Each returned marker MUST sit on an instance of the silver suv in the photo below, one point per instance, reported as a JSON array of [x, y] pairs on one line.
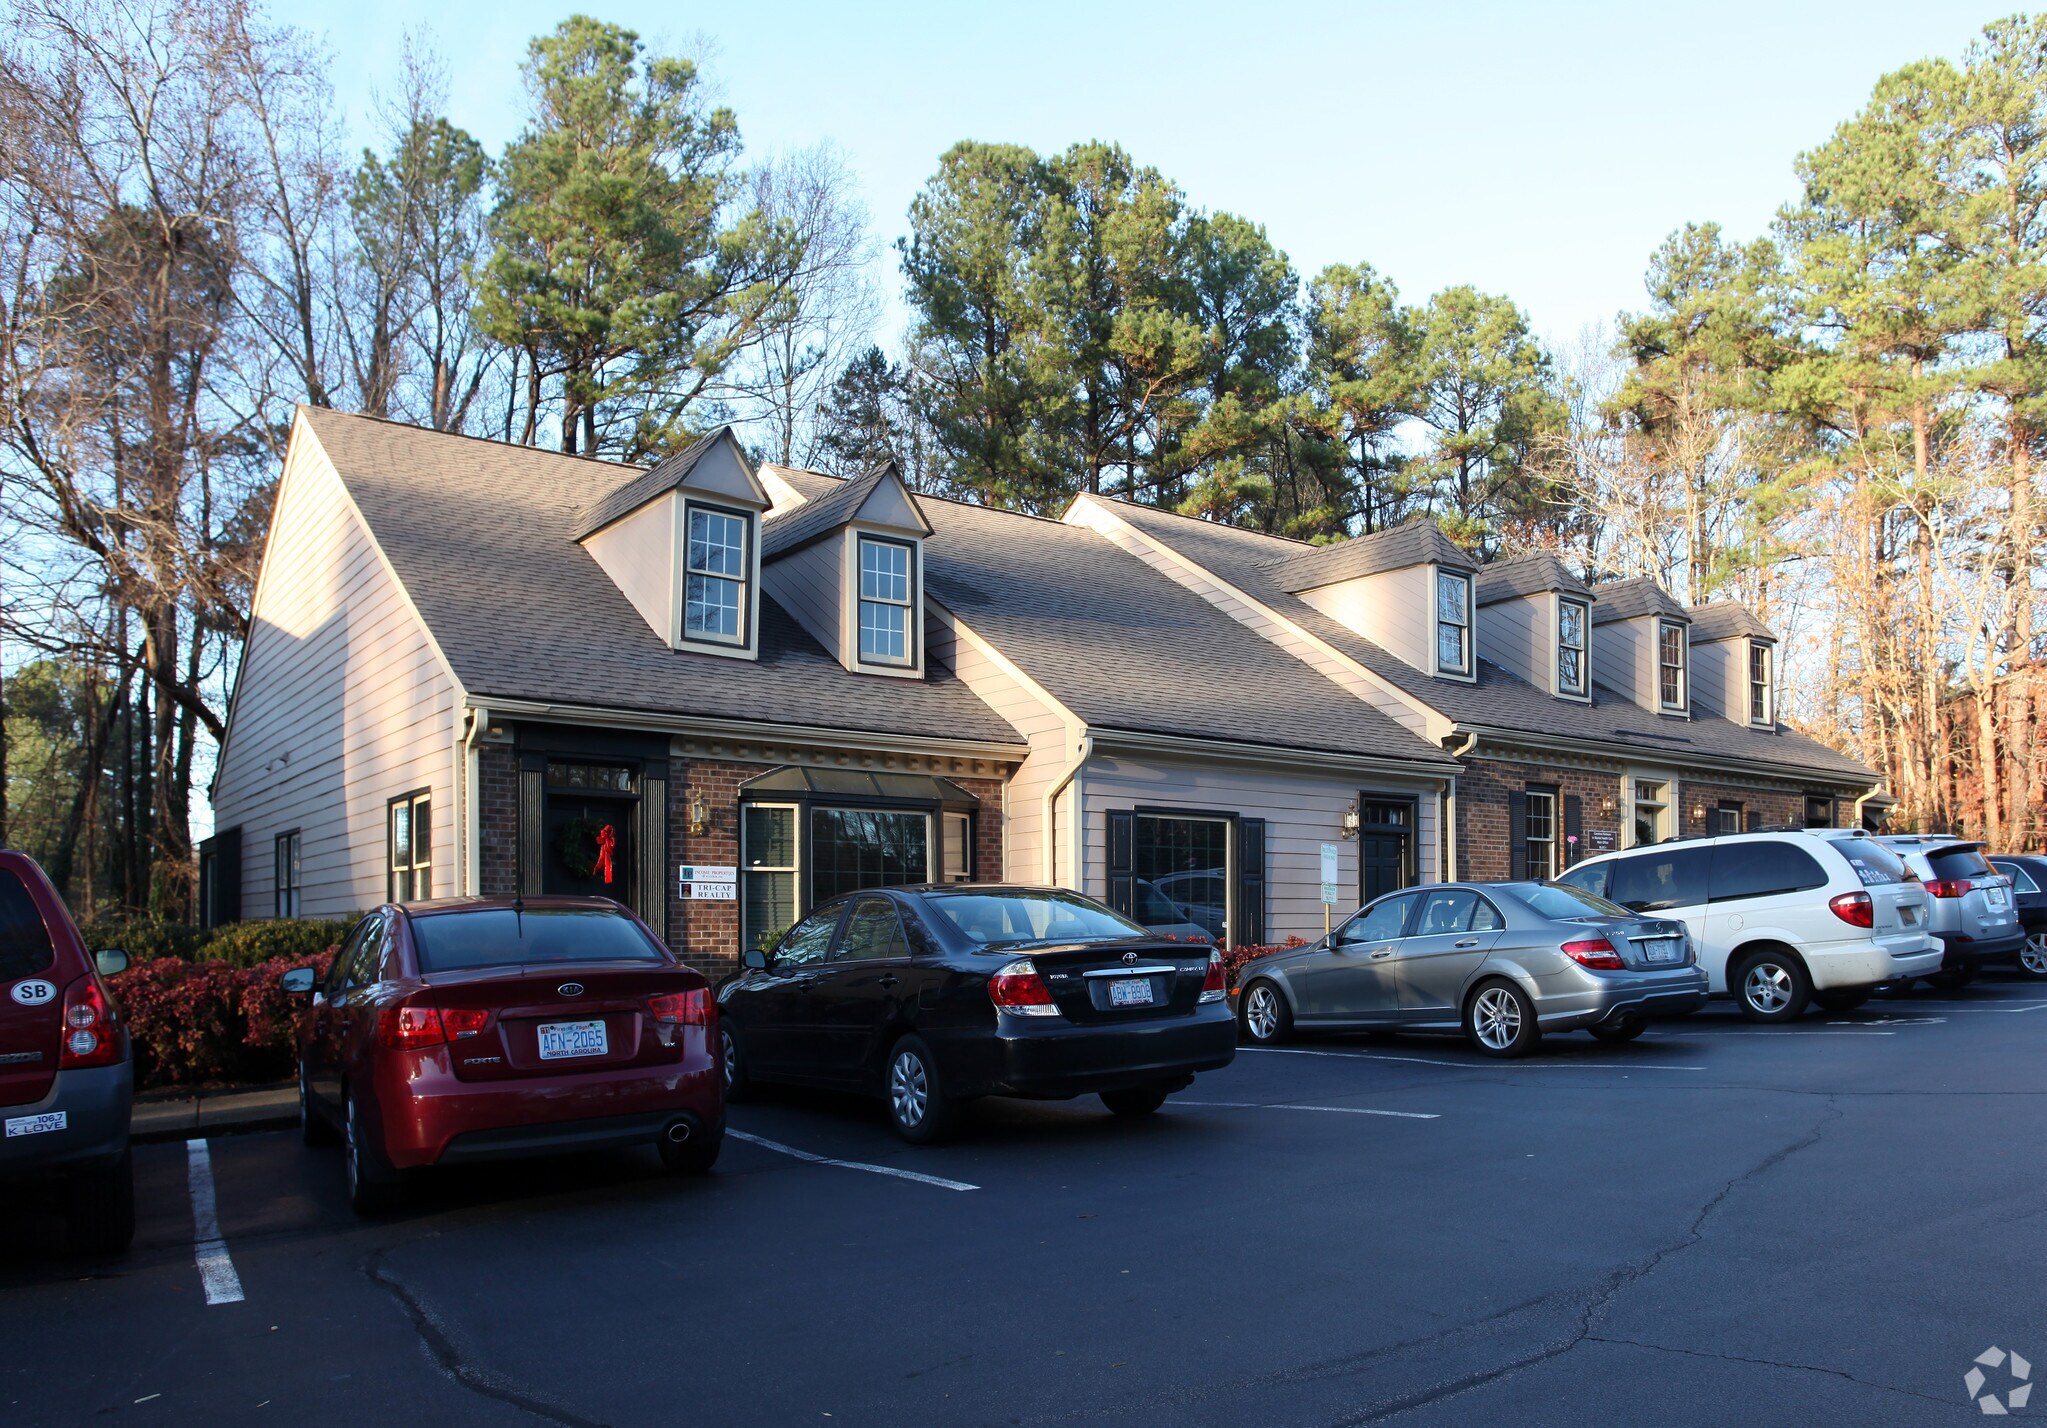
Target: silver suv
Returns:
[[1969, 903]]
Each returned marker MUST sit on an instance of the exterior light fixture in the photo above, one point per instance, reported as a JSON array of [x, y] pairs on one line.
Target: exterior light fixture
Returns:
[[699, 815], [1698, 813], [1606, 805], [1348, 825]]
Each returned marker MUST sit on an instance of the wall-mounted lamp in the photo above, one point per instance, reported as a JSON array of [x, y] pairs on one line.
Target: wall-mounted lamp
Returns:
[[1698, 813], [1606, 805], [1348, 824], [699, 815]]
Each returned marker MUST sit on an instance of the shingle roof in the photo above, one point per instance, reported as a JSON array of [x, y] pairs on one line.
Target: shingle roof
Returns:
[[636, 490], [817, 516], [1628, 599], [1532, 574], [1416, 542], [482, 535], [1497, 699], [1724, 620], [1126, 648]]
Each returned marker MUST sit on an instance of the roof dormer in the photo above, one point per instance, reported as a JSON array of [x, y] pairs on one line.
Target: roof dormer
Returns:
[[1641, 641], [849, 566], [682, 542], [1407, 590], [1734, 664], [1535, 619]]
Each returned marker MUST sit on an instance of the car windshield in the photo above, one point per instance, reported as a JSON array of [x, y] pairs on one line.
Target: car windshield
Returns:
[[504, 937], [1561, 901], [998, 917], [1875, 864]]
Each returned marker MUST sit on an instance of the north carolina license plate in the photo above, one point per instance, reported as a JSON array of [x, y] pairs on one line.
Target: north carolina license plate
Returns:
[[562, 1039], [36, 1125], [1130, 992], [1666, 950], [1996, 895]]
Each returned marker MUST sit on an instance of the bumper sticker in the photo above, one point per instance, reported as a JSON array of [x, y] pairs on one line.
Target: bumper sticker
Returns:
[[36, 1125]]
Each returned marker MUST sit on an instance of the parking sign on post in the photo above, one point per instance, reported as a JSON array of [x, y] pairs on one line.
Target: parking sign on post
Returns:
[[1331, 852]]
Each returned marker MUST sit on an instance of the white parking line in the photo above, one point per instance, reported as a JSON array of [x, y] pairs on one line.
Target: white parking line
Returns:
[[1476, 1065], [777, 1146], [1281, 1106], [1742, 1031], [209, 1250]]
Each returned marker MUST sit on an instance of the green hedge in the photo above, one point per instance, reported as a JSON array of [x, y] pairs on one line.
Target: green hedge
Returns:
[[239, 944]]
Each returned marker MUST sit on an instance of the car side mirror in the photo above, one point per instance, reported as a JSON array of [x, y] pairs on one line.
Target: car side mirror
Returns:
[[111, 961], [299, 981], [754, 960]]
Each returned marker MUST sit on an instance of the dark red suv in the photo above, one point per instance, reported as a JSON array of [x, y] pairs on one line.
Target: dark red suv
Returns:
[[474, 1029], [66, 1079]]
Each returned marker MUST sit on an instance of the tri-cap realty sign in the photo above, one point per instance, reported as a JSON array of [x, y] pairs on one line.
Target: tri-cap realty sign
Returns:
[[704, 882]]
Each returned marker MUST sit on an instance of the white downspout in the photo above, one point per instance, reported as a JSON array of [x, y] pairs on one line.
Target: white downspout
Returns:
[[1450, 870], [469, 876], [1049, 832], [1873, 792]]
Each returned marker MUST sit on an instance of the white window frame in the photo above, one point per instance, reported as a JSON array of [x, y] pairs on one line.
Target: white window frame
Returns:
[[417, 872], [286, 871], [1583, 689], [1682, 704], [748, 542], [1661, 808], [1551, 864], [794, 868], [964, 822], [1437, 624], [1766, 686], [908, 605]]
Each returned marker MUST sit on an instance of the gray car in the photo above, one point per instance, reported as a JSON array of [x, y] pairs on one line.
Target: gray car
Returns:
[[1505, 962], [1969, 904]]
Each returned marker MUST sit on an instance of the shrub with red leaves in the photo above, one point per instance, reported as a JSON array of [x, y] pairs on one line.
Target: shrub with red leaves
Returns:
[[200, 1022], [1235, 959]]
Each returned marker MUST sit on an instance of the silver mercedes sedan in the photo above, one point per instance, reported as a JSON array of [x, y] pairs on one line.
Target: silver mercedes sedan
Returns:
[[1505, 962]]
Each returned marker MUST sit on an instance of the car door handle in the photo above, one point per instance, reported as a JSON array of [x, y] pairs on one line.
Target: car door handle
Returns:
[[889, 981], [1468, 942], [1380, 954]]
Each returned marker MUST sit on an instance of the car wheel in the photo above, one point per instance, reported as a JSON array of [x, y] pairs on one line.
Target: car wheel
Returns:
[[1771, 987], [738, 1085], [372, 1184], [1626, 1029], [1265, 1017], [917, 1104], [694, 1156], [1135, 1100], [1952, 981], [1842, 1001], [99, 1214], [313, 1127], [2033, 956], [1500, 1020]]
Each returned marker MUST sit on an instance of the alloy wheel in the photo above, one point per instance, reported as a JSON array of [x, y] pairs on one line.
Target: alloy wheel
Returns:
[[1497, 1018], [2033, 957], [909, 1088], [728, 1058], [1261, 1013], [1767, 987], [351, 1150]]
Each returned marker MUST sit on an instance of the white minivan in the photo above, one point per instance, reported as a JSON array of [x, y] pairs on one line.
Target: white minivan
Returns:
[[1780, 919]]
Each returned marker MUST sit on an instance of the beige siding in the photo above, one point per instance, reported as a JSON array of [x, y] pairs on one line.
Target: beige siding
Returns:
[[806, 584], [1624, 659], [1720, 679], [1394, 609], [1302, 809], [638, 553], [1520, 635], [342, 704]]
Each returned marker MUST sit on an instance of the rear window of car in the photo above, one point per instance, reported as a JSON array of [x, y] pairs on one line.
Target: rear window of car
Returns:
[[1960, 863], [1873, 863], [1561, 901], [507, 937], [24, 941], [990, 918]]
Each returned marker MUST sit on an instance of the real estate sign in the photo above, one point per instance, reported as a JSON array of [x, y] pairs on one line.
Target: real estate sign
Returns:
[[708, 882]]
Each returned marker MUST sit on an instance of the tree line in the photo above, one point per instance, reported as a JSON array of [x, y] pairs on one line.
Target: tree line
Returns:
[[1836, 421]]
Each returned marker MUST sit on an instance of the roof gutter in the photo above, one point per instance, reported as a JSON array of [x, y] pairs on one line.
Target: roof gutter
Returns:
[[1178, 746], [1050, 837], [754, 731], [1638, 753]]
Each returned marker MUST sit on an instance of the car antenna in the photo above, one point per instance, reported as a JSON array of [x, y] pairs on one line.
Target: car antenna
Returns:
[[519, 918]]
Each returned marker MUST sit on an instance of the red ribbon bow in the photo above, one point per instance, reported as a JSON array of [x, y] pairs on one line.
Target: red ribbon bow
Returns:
[[607, 839]]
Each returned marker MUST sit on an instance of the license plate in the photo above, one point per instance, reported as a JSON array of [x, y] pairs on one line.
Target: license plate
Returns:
[[1130, 992], [1667, 950], [560, 1040], [1996, 895], [1908, 915], [36, 1125]]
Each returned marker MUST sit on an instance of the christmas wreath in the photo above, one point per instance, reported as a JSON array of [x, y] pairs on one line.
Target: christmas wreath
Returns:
[[587, 847]]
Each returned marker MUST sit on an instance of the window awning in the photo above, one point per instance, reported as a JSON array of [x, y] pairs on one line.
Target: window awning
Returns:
[[857, 786]]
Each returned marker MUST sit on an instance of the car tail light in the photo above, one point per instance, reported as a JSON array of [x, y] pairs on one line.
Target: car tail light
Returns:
[[1019, 990], [461, 1022], [92, 1031], [682, 1008], [410, 1028], [1947, 887], [1856, 909], [1596, 953], [1214, 987]]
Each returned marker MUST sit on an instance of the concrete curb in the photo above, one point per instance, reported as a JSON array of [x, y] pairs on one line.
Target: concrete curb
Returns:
[[209, 1113]]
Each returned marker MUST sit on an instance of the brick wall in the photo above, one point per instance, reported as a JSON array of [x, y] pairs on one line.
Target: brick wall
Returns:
[[497, 807], [703, 932], [1773, 808], [1483, 834]]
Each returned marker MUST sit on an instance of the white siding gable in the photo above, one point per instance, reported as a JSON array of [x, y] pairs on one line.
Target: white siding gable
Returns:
[[638, 553], [1394, 609]]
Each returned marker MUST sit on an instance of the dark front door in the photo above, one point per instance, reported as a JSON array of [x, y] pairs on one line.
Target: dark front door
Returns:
[[590, 846], [1385, 847]]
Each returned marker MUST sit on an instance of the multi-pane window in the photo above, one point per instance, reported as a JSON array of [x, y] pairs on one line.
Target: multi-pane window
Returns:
[[714, 596], [1670, 664], [1759, 711], [1571, 646], [287, 898], [855, 848], [958, 848], [1728, 817], [409, 838], [1542, 835], [1453, 623], [767, 855], [885, 584]]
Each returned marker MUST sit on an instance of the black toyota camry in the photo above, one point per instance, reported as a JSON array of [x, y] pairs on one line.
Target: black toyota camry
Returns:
[[933, 995]]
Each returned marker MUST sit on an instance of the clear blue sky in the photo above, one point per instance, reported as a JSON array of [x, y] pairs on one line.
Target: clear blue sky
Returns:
[[1535, 150]]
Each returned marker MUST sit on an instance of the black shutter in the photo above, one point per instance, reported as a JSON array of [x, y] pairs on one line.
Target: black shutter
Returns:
[[653, 871], [1123, 863], [1517, 835], [220, 883], [1755, 820], [1574, 828], [532, 788], [1250, 928]]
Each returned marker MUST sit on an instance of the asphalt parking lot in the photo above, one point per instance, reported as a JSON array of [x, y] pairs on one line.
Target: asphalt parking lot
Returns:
[[1715, 1223]]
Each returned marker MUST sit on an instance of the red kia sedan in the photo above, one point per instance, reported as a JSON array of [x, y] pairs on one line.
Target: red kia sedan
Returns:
[[472, 1029]]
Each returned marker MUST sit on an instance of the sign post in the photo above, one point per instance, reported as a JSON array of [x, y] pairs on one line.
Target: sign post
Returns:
[[1331, 854]]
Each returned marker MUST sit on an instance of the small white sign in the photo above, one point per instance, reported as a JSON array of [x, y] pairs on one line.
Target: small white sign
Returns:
[[34, 992], [1331, 853], [700, 882]]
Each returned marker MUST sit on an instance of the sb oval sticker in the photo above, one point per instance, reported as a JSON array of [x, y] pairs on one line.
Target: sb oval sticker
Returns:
[[34, 993]]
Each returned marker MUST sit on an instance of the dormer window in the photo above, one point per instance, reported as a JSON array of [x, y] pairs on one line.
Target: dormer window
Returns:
[[1670, 666], [1573, 619], [1453, 623], [1761, 694], [887, 582], [715, 604]]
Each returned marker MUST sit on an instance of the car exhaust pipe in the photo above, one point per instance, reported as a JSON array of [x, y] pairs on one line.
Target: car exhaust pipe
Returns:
[[677, 1132]]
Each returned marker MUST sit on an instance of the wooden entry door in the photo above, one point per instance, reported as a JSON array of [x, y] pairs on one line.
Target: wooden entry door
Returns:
[[1385, 847]]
